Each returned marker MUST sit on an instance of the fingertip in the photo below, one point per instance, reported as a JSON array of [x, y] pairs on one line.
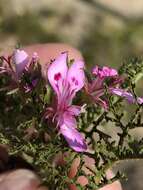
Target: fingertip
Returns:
[[51, 51]]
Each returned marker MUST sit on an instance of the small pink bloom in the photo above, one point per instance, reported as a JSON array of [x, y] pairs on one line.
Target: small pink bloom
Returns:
[[96, 90], [66, 82], [104, 72]]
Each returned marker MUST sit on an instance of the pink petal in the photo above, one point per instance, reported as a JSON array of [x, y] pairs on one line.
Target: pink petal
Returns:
[[76, 76], [57, 72], [127, 95], [124, 94], [20, 58], [95, 70], [104, 72], [74, 138], [117, 91], [140, 100], [74, 110], [107, 71], [67, 119]]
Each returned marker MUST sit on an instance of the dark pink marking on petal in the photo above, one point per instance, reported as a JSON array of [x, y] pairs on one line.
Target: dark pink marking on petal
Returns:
[[57, 76], [74, 81]]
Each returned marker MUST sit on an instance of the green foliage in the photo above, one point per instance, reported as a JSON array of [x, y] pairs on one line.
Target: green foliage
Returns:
[[27, 134]]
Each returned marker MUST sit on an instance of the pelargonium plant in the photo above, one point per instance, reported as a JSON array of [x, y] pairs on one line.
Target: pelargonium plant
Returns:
[[66, 113]]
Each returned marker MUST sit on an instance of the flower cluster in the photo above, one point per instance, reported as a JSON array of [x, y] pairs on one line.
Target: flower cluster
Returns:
[[107, 76], [66, 81]]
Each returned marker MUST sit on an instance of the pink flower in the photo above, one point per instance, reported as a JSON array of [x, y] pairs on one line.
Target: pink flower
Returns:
[[19, 66], [103, 72], [96, 89], [66, 82], [127, 95]]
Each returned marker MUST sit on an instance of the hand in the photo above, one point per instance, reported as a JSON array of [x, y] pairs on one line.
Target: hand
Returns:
[[23, 179]]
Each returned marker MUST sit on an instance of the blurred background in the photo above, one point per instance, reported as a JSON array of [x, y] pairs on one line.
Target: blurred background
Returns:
[[105, 31]]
